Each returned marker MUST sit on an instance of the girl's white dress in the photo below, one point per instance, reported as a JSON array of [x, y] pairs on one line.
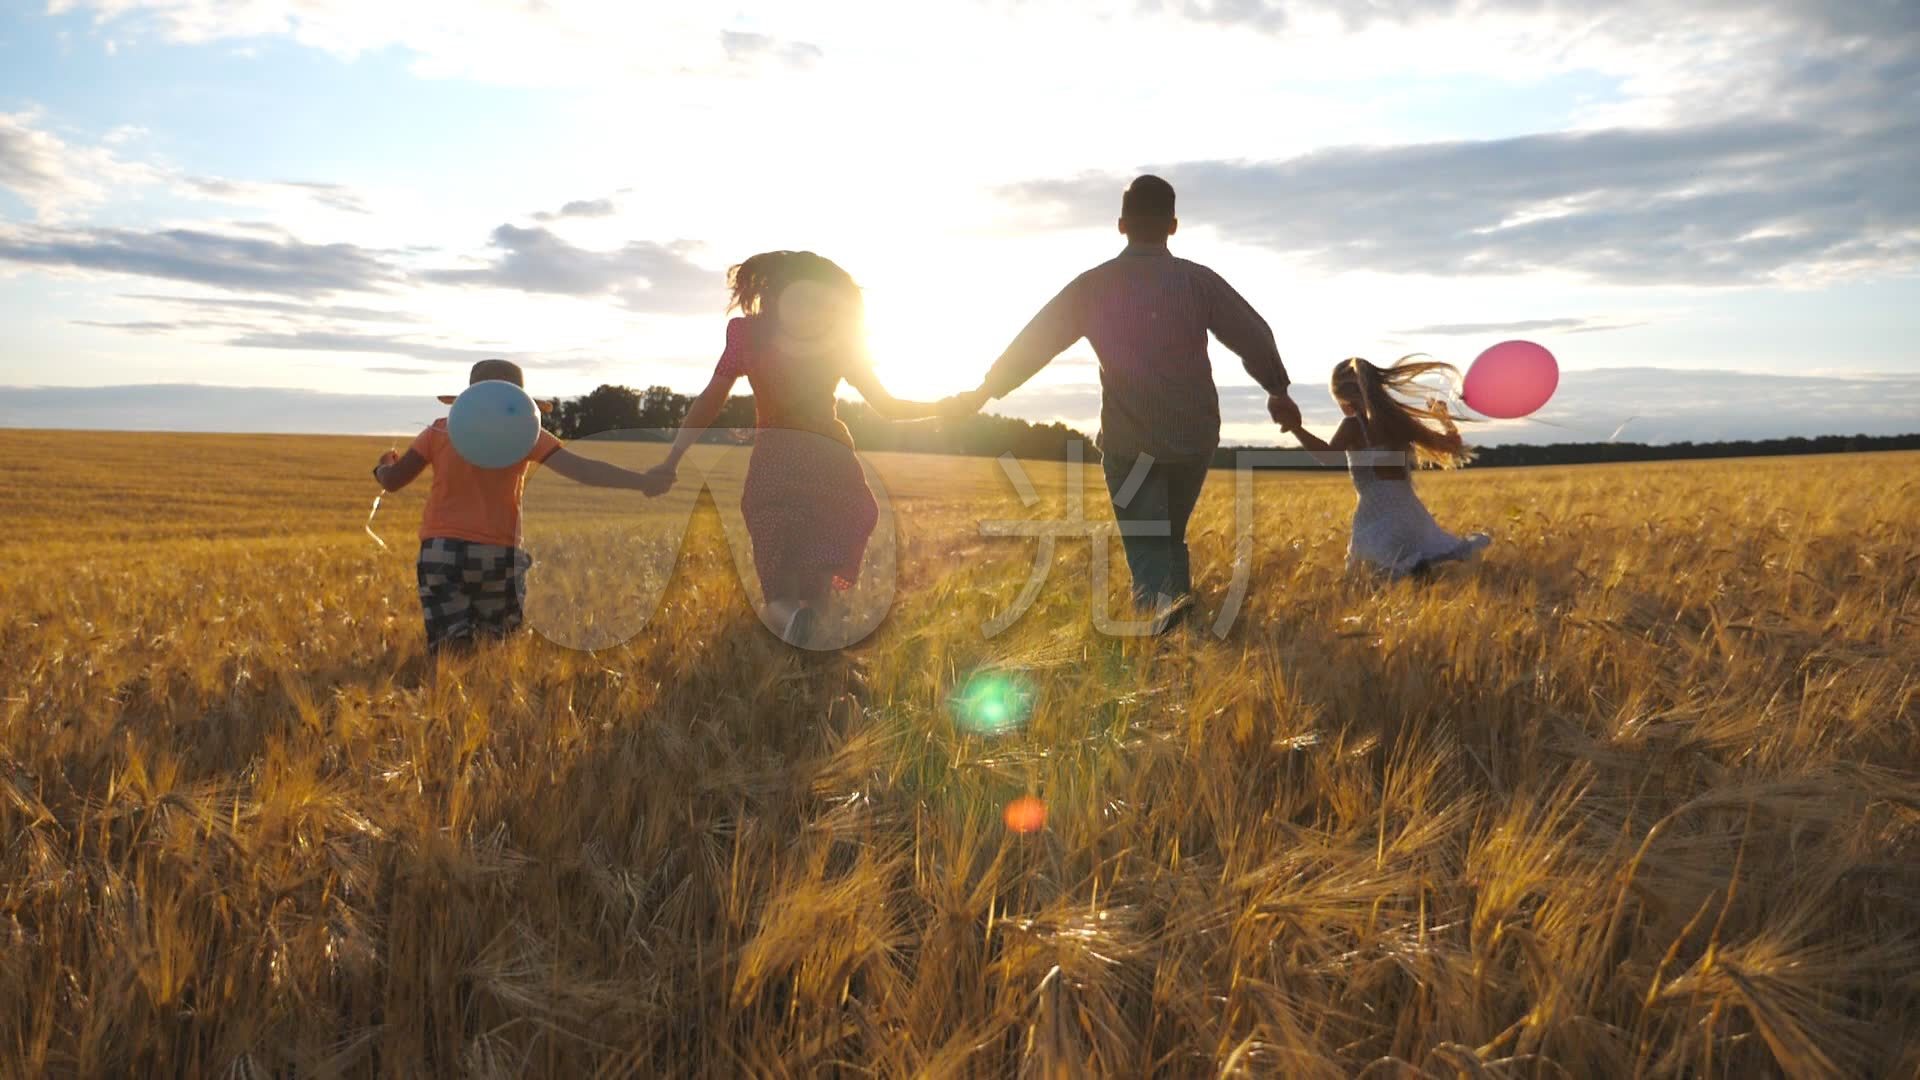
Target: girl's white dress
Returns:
[[1392, 531]]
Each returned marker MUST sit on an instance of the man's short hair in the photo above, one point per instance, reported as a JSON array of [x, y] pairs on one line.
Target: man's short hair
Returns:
[[1147, 197]]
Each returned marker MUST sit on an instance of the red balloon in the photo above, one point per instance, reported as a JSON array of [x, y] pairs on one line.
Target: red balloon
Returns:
[[1511, 380]]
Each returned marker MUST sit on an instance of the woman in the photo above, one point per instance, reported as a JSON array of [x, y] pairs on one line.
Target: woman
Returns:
[[806, 502]]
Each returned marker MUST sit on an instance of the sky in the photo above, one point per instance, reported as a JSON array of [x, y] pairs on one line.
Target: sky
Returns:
[[322, 211]]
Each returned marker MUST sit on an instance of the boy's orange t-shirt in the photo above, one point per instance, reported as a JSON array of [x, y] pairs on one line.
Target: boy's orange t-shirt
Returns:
[[471, 503]]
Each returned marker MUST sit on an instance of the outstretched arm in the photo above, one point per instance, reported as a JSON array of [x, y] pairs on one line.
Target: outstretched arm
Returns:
[[1349, 435], [893, 408], [396, 471], [1242, 330], [1048, 335], [700, 416], [585, 470]]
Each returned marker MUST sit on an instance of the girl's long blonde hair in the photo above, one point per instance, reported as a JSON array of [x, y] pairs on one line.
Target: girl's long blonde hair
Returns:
[[1392, 418]]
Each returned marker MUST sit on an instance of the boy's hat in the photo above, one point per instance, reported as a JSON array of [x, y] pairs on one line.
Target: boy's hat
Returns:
[[501, 370]]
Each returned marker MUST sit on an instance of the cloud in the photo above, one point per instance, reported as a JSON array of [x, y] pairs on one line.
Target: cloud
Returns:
[[1846, 18], [1670, 405], [292, 308], [1523, 326], [138, 327], [332, 196], [348, 341], [1732, 203], [54, 176], [247, 264], [32, 163], [744, 48], [580, 208], [644, 276], [1762, 143], [187, 407], [537, 42], [51, 175], [351, 342]]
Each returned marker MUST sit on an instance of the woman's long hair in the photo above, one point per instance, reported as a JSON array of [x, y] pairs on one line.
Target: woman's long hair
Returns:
[[756, 283], [1427, 430]]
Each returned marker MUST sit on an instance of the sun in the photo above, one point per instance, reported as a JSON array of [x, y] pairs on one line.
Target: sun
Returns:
[[910, 361], [929, 341]]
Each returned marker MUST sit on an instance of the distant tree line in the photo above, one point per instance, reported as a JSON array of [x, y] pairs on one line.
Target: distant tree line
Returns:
[[1522, 454], [1583, 453], [655, 412]]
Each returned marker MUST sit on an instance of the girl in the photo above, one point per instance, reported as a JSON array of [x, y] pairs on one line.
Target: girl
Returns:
[[808, 509], [471, 566], [1392, 531]]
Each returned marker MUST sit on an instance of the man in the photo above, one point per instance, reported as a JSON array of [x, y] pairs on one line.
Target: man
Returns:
[[1147, 315]]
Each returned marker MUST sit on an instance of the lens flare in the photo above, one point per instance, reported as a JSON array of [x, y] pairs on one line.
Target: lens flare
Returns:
[[1026, 814], [810, 318], [991, 703]]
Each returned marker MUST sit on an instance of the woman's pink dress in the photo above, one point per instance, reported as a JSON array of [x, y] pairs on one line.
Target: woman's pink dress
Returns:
[[807, 504]]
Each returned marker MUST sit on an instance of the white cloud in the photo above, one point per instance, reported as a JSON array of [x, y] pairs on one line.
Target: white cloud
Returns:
[[566, 42], [580, 208], [747, 48], [186, 407], [644, 276], [1564, 325], [253, 307], [1776, 147], [1763, 144], [334, 341], [54, 176], [61, 179], [268, 194], [245, 263]]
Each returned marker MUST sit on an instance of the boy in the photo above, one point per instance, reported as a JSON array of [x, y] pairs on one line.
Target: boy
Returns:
[[470, 563]]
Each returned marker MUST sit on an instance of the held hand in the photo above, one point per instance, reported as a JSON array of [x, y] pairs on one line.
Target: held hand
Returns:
[[1283, 411], [658, 480], [961, 404], [387, 458]]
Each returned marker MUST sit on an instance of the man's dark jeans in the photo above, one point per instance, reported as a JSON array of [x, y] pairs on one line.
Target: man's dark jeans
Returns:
[[1166, 498]]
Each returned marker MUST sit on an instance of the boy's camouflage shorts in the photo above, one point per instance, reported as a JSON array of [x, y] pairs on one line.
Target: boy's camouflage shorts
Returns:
[[469, 589]]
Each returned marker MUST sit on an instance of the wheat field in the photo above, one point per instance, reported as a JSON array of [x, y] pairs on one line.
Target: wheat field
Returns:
[[1636, 795]]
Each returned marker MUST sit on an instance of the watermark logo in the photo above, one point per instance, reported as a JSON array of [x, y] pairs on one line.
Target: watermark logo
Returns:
[[1074, 523], [807, 522], [810, 529]]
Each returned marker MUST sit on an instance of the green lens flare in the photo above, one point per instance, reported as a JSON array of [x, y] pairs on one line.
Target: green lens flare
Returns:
[[991, 703]]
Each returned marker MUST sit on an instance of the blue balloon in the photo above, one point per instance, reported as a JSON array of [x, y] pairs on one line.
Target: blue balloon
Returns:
[[494, 424]]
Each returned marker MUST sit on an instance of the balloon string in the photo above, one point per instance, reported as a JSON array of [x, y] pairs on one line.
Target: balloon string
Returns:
[[1583, 429], [1622, 426], [1457, 399], [376, 508], [370, 532]]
